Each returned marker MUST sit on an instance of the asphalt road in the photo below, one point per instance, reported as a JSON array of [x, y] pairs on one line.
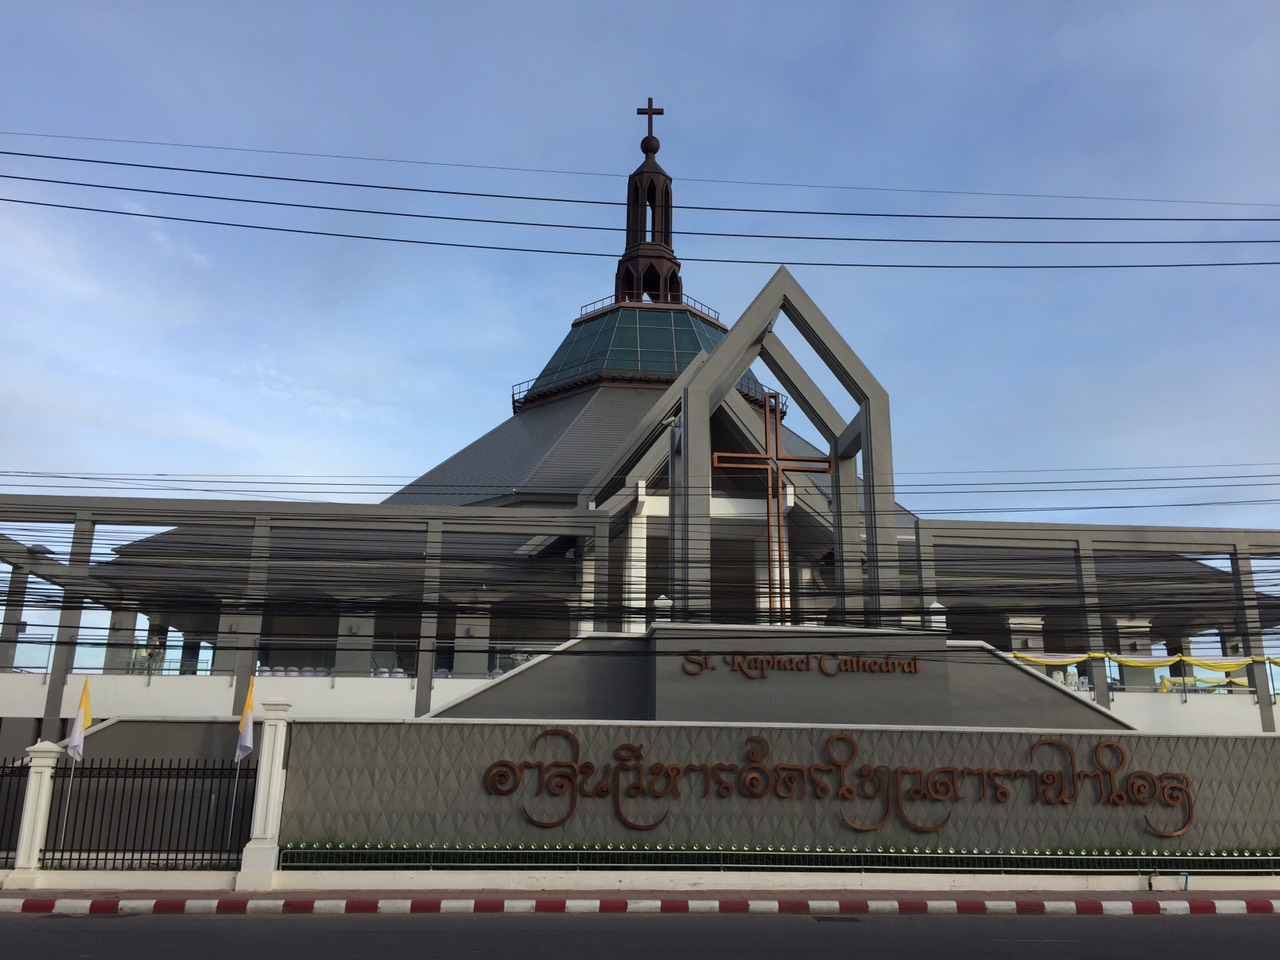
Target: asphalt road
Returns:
[[615, 937]]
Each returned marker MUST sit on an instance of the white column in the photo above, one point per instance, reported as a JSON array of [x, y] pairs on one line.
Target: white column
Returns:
[[35, 816], [261, 853], [783, 609], [1026, 635], [585, 558], [636, 571], [936, 618]]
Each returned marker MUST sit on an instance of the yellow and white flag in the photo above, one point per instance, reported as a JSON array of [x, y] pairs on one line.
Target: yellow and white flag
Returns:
[[84, 717], [244, 744]]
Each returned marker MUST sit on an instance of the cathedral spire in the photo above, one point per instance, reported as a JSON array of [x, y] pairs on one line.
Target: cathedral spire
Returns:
[[648, 268]]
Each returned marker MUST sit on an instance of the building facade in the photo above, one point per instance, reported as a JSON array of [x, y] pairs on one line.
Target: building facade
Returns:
[[646, 476]]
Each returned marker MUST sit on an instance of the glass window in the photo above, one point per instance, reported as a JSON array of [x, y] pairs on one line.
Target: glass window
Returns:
[[655, 318], [557, 358], [625, 338], [579, 349], [710, 337], [687, 340], [603, 330], [658, 361], [654, 338]]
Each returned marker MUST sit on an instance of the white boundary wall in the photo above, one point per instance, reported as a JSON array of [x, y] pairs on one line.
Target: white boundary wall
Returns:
[[1196, 713]]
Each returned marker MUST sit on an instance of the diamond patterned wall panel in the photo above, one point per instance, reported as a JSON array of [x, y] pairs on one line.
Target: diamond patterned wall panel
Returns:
[[440, 782]]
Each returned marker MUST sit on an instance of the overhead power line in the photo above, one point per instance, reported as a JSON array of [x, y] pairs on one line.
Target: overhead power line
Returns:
[[1205, 490], [617, 203], [364, 211], [617, 176], [587, 253], [1151, 481]]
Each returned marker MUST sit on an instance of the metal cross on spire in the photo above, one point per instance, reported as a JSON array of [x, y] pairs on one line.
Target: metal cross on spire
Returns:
[[650, 111]]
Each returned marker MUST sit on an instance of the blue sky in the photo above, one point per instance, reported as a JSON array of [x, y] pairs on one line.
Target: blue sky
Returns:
[[148, 347]]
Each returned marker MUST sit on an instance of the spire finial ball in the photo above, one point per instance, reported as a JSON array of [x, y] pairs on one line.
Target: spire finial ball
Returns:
[[649, 145]]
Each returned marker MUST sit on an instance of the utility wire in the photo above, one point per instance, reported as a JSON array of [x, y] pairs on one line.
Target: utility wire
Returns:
[[617, 203], [619, 176], [741, 261], [338, 481], [902, 473], [187, 195]]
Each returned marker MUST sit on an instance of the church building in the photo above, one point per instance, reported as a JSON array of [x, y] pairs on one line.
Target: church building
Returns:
[[653, 512]]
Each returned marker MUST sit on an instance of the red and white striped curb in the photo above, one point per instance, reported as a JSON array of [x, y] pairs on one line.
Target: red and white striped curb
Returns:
[[295, 905]]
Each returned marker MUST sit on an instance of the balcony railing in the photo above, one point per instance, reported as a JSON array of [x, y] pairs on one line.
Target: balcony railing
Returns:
[[683, 300], [288, 658]]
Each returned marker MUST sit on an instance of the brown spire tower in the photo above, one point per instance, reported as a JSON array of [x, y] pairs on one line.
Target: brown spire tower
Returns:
[[648, 269]]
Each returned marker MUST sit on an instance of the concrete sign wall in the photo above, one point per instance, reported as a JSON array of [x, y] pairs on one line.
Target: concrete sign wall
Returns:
[[811, 675], [439, 782]]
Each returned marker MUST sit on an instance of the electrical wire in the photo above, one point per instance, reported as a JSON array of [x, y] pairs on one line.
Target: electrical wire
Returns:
[[605, 229], [740, 261], [618, 176], [618, 203]]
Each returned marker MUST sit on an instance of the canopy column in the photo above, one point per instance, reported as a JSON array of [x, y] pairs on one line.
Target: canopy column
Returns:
[[121, 641], [11, 624], [1249, 629], [1091, 615], [68, 633]]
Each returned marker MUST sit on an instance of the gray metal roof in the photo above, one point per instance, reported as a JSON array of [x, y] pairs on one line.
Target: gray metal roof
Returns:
[[548, 451]]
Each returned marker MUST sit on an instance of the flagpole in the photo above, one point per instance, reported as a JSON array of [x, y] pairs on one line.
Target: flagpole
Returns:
[[75, 749], [231, 821], [66, 807], [244, 747]]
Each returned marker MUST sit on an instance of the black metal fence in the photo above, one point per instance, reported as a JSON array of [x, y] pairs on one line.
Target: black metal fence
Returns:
[[376, 856], [149, 815], [13, 787]]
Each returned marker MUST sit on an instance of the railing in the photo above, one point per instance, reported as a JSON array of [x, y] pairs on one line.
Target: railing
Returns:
[[140, 659], [1187, 684], [310, 657], [13, 787], [34, 661], [754, 390], [683, 300], [333, 673], [149, 815], [603, 856]]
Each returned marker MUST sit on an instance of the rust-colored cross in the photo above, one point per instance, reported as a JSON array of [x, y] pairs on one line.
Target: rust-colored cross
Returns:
[[650, 111], [777, 465]]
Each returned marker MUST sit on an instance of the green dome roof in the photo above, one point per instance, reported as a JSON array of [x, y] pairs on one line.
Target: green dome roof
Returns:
[[627, 342], [631, 339]]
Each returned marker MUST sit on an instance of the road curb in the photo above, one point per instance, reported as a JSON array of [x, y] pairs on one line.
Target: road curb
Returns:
[[66, 906]]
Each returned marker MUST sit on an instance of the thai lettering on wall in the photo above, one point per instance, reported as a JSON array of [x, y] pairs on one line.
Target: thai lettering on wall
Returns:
[[865, 795]]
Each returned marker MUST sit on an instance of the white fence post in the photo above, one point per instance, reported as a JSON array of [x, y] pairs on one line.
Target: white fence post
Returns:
[[35, 816], [262, 852]]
